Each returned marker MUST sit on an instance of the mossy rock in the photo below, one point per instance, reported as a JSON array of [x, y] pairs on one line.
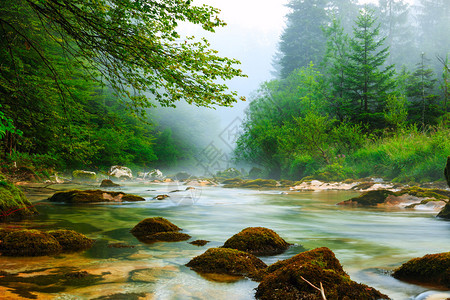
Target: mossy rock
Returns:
[[287, 279], [257, 241], [81, 175], [108, 183], [29, 243], [431, 269], [170, 236], [199, 243], [13, 203], [445, 212], [254, 184], [71, 240], [91, 196], [370, 198], [227, 261], [154, 225], [425, 193], [232, 181]]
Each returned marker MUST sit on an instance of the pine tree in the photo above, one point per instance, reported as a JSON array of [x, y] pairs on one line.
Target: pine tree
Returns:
[[366, 81]]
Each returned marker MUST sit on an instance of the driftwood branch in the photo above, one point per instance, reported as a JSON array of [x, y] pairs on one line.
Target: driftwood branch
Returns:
[[321, 290]]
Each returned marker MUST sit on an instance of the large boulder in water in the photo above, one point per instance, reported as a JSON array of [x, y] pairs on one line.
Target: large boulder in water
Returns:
[[71, 240], [292, 279], [13, 203], [257, 241], [227, 261], [445, 212], [431, 269], [91, 196], [108, 183], [29, 243], [120, 172], [147, 228]]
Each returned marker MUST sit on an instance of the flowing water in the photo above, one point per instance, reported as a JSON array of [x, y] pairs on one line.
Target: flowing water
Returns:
[[368, 242]]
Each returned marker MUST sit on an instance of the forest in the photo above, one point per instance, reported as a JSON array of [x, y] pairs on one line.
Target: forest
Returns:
[[359, 90]]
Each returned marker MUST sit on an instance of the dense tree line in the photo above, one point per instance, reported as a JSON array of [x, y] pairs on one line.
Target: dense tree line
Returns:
[[341, 92], [74, 75]]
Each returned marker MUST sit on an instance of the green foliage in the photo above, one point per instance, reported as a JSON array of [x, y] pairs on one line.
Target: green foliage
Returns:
[[395, 112]]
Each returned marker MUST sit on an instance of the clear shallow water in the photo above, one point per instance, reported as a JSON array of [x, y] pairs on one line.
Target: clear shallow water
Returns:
[[368, 242]]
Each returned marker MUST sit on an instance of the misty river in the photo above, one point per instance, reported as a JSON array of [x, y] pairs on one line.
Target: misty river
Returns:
[[368, 242]]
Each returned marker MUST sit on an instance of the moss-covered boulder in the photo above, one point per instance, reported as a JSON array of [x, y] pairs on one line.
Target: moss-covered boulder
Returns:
[[288, 279], [370, 198], [81, 175], [169, 236], [29, 243], [227, 261], [431, 269], [199, 243], [90, 196], [445, 212], [257, 241], [71, 240], [13, 203], [229, 173], [108, 183], [150, 226], [232, 181]]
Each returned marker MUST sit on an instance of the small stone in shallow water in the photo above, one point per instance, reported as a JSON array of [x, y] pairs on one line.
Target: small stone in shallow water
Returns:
[[199, 242]]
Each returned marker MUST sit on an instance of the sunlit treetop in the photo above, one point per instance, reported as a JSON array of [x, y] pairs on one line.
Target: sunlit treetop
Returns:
[[133, 46]]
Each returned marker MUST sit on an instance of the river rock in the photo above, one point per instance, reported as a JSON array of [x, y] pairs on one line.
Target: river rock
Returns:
[[91, 196], [227, 261], [71, 240], [108, 183], [82, 175], [253, 184], [431, 269], [288, 279], [13, 203], [229, 173], [170, 236], [120, 172], [257, 241], [29, 243], [152, 175], [162, 197], [150, 226], [445, 212]]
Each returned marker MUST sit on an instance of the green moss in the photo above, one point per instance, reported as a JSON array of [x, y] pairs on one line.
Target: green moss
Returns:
[[29, 243], [425, 193], [253, 184], [286, 279], [154, 225], [227, 261], [84, 175], [430, 269], [370, 198], [13, 203], [257, 241], [445, 212], [71, 240], [90, 196], [170, 236], [232, 181]]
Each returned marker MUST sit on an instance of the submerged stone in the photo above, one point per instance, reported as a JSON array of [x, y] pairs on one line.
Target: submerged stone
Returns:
[[154, 225], [13, 203], [227, 261], [29, 243], [289, 279], [71, 240], [91, 196], [431, 269], [199, 243], [257, 241]]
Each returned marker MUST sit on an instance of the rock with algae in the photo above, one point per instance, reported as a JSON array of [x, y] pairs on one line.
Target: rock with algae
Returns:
[[430, 269], [71, 240], [257, 241], [292, 279], [29, 243], [91, 196], [227, 261], [13, 203]]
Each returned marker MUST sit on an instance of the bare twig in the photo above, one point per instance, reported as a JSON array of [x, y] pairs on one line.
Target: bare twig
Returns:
[[321, 290]]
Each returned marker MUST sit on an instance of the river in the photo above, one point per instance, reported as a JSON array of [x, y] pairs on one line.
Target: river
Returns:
[[368, 242]]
